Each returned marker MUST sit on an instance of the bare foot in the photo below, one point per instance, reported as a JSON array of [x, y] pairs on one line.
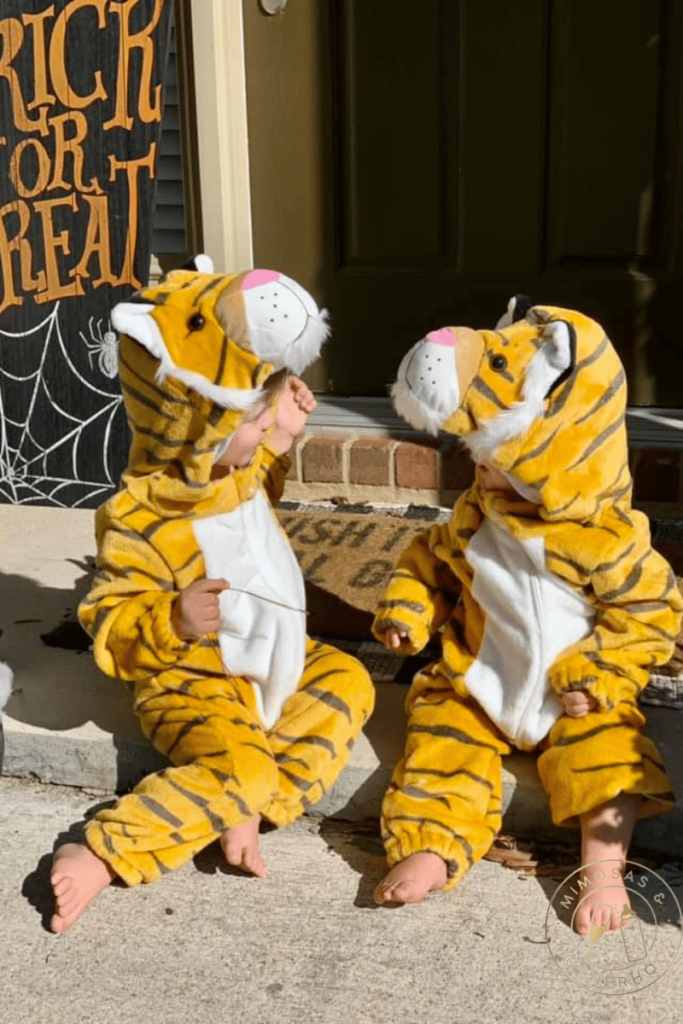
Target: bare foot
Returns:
[[411, 879], [605, 836], [240, 845], [602, 906], [78, 875]]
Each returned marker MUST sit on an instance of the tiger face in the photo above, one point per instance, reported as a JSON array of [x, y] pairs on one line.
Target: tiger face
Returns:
[[542, 399], [223, 334]]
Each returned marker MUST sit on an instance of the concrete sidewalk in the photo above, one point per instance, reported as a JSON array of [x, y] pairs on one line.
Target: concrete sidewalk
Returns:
[[66, 723], [305, 944]]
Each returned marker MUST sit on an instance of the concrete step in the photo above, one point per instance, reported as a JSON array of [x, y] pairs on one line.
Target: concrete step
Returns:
[[68, 724]]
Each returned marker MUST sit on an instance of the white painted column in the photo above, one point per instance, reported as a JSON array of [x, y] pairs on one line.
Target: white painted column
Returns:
[[221, 98]]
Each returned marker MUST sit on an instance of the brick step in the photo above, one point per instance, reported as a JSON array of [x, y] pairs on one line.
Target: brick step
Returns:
[[426, 471]]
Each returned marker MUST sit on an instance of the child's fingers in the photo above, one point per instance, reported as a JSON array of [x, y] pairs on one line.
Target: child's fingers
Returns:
[[207, 586], [576, 712], [577, 704], [393, 637]]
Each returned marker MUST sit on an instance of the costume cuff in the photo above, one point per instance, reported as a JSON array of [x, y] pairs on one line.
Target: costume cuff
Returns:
[[166, 640], [418, 635], [605, 686]]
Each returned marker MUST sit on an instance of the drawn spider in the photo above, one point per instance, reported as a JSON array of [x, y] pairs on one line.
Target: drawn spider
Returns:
[[104, 346]]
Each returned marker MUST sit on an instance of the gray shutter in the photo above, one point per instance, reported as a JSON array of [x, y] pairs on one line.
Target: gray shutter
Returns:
[[169, 234]]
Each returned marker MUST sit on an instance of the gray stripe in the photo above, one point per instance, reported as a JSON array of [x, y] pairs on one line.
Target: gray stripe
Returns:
[[450, 775], [187, 728], [285, 758], [411, 606], [629, 583], [217, 824], [604, 566], [615, 670], [420, 794], [188, 561], [609, 764], [467, 849], [483, 388], [598, 441], [568, 740], [303, 784], [450, 732], [163, 870], [331, 700], [528, 456], [316, 741], [161, 438], [208, 288], [159, 810], [612, 388]]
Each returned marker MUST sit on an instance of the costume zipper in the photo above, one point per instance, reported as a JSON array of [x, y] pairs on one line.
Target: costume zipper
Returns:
[[271, 600], [539, 685]]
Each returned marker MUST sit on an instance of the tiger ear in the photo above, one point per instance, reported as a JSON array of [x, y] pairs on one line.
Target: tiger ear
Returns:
[[554, 361], [201, 263], [517, 308]]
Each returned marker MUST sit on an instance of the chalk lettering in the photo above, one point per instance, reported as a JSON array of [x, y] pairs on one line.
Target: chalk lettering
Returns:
[[60, 82], [149, 109]]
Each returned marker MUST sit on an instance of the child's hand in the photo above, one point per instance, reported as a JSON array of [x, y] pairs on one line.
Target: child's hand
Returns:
[[578, 703], [393, 638], [295, 406], [195, 611]]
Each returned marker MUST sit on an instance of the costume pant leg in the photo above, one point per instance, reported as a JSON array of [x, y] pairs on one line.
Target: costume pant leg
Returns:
[[445, 794], [313, 738], [590, 760], [223, 775]]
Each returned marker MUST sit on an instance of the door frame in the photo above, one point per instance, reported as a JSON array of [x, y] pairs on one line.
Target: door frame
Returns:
[[222, 132]]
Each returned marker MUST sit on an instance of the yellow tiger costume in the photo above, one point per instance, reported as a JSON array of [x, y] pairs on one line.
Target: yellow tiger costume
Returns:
[[194, 352], [550, 589]]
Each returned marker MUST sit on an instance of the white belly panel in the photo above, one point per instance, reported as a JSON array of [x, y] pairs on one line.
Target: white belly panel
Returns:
[[263, 615], [531, 617]]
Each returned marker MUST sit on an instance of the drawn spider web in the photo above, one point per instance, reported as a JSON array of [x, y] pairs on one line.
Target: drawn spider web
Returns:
[[58, 430]]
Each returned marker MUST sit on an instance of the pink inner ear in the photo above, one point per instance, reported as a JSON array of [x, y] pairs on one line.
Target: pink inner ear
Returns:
[[255, 278], [442, 337]]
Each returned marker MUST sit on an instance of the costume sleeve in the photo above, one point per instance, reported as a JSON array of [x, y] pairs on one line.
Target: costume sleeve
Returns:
[[128, 609], [637, 619], [273, 468], [422, 591]]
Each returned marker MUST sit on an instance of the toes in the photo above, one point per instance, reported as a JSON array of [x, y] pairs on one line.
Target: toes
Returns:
[[398, 892], [245, 857], [406, 892], [254, 863], [66, 902], [61, 884], [61, 922]]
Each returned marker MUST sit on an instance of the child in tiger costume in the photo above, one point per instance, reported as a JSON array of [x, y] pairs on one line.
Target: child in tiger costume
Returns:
[[551, 602], [198, 601]]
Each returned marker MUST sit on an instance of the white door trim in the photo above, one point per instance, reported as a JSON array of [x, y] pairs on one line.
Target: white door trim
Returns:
[[223, 141]]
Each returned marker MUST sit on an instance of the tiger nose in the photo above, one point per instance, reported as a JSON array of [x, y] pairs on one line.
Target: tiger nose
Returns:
[[431, 371], [442, 337]]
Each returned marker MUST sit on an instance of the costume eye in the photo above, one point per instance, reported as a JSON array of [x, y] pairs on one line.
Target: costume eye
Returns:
[[196, 322], [498, 363]]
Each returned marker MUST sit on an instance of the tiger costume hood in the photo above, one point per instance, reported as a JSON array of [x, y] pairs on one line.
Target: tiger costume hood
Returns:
[[543, 400], [194, 353], [554, 585]]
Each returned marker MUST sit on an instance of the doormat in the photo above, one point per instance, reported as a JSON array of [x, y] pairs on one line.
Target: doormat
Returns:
[[347, 554]]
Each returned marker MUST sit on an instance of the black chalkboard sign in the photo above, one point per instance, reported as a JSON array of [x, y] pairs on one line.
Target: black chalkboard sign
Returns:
[[80, 119]]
